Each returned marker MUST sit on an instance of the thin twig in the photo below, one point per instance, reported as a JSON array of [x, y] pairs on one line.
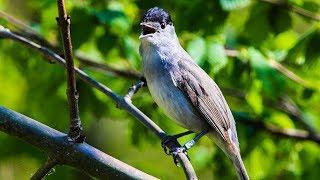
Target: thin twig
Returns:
[[277, 66], [134, 89], [19, 24], [75, 131], [45, 169], [284, 104], [78, 155], [119, 100], [27, 31], [131, 74], [285, 71], [299, 10], [276, 131]]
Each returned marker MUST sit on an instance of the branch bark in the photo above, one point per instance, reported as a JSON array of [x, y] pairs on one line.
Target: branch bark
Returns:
[[75, 130], [79, 155], [119, 100]]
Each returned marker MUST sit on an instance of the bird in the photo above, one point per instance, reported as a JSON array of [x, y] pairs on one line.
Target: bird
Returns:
[[183, 90]]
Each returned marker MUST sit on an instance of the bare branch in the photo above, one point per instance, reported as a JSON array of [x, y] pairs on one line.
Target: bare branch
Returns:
[[231, 52], [75, 131], [131, 74], [295, 9], [45, 169], [134, 89], [277, 66], [188, 169], [79, 155], [28, 32], [119, 100], [284, 104], [285, 71], [286, 133], [19, 24]]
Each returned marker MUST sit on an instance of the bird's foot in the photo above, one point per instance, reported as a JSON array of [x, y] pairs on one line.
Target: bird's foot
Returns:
[[171, 142], [172, 147], [175, 153], [168, 142]]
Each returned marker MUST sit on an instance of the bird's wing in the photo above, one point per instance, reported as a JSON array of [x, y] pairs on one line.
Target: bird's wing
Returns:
[[206, 97]]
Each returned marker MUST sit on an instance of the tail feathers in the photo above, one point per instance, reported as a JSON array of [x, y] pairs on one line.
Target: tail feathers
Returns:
[[241, 170]]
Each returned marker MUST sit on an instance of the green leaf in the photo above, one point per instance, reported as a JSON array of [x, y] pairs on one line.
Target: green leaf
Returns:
[[196, 49], [296, 54], [273, 82], [279, 19], [257, 28], [216, 56], [84, 19], [313, 48], [254, 98], [116, 21], [285, 40], [233, 4], [130, 48], [281, 120], [106, 42]]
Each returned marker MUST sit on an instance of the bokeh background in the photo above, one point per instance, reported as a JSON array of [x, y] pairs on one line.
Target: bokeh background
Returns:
[[264, 56]]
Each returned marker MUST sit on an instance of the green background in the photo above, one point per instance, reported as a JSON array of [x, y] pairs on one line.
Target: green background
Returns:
[[108, 31]]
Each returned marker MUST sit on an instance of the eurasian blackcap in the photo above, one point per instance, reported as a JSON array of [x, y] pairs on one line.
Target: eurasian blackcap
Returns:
[[184, 91]]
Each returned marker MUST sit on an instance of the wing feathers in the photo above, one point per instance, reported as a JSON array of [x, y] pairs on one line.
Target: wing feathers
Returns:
[[205, 96]]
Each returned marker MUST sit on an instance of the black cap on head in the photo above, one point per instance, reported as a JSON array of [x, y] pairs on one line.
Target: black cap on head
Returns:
[[157, 14]]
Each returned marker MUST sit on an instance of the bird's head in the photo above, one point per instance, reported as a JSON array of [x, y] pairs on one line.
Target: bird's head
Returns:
[[156, 26]]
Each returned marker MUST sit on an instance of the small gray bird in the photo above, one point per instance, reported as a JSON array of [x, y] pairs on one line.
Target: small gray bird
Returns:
[[183, 90]]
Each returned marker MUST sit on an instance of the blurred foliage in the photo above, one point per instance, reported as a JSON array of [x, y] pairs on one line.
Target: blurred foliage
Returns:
[[109, 30]]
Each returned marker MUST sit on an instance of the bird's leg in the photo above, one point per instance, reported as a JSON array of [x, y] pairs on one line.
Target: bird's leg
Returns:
[[169, 139], [187, 145], [193, 141]]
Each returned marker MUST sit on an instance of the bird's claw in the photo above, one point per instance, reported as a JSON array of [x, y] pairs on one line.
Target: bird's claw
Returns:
[[175, 153], [165, 149], [166, 142]]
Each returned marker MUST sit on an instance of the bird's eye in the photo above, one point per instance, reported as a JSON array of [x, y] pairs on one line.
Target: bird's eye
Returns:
[[163, 25]]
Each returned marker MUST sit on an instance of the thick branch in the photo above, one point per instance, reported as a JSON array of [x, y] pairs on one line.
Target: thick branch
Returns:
[[73, 96], [119, 100], [79, 155]]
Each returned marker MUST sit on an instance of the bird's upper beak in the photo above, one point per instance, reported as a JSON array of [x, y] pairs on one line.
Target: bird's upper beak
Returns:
[[148, 29]]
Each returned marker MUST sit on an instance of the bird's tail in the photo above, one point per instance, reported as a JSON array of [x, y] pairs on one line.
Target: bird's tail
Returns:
[[241, 169]]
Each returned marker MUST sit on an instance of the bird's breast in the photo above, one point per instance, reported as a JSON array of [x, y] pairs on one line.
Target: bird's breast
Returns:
[[169, 98]]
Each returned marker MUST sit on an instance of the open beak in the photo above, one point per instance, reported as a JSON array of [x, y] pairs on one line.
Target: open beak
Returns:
[[148, 29]]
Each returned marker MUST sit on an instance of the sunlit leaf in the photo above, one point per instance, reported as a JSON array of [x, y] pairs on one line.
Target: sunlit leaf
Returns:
[[257, 28], [233, 4], [197, 49], [216, 56], [254, 97], [272, 80]]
